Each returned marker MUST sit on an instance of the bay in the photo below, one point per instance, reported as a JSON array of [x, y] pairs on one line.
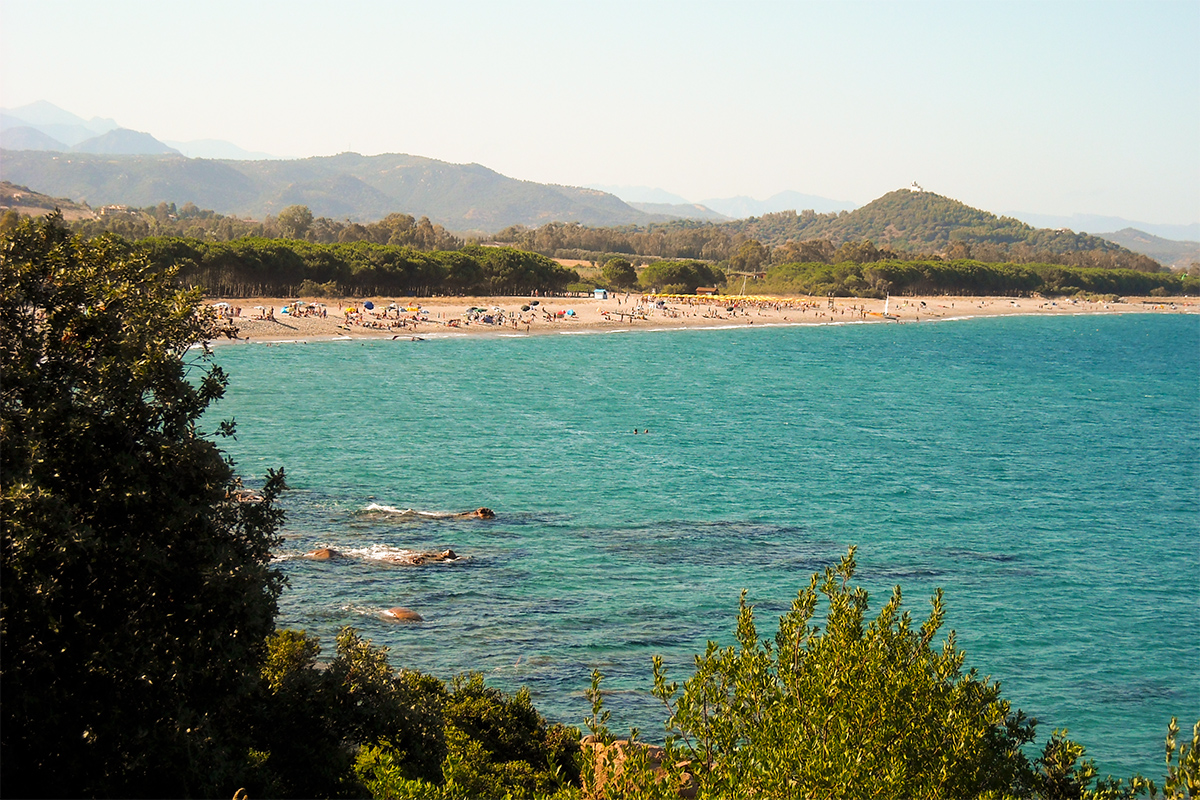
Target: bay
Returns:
[[1045, 472]]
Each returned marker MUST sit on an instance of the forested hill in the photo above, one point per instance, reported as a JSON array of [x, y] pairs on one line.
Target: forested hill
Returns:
[[916, 221], [901, 224], [462, 197]]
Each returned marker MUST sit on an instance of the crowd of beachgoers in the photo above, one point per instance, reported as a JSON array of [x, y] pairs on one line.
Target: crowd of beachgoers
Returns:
[[281, 319]]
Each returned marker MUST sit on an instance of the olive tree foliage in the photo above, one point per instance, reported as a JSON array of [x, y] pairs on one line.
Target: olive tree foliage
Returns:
[[853, 708], [869, 705], [137, 592]]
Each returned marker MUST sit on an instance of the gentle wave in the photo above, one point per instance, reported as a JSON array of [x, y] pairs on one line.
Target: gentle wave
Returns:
[[381, 509]]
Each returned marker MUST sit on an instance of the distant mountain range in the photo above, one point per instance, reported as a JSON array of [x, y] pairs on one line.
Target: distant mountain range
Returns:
[[660, 201], [97, 162], [44, 126], [680, 211], [462, 197], [1169, 252], [1095, 222]]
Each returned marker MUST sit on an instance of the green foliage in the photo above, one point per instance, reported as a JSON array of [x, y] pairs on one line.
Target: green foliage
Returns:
[[310, 288], [750, 256], [853, 704], [849, 708], [501, 744], [496, 746], [295, 221], [963, 277], [1062, 772], [619, 273], [357, 726], [683, 276], [309, 722], [898, 225], [267, 267], [137, 591], [1183, 763]]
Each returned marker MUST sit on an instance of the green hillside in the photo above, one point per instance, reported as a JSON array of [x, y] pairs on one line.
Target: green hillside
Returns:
[[901, 224], [915, 221], [346, 186]]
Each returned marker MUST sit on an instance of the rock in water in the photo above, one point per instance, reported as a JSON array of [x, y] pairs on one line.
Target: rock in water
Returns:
[[323, 554], [399, 614]]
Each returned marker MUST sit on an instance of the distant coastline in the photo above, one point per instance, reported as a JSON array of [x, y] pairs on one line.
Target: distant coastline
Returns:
[[264, 319]]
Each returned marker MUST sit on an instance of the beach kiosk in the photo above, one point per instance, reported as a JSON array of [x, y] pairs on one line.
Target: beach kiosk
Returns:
[[601, 294]]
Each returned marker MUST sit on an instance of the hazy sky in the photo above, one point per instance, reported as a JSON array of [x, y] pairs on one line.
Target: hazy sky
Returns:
[[1042, 106]]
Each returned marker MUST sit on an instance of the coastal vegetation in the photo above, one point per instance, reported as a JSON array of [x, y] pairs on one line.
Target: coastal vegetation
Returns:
[[965, 277], [280, 267], [138, 609], [846, 706], [899, 225]]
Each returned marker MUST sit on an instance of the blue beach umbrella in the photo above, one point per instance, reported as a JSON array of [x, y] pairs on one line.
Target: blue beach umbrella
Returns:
[[368, 305]]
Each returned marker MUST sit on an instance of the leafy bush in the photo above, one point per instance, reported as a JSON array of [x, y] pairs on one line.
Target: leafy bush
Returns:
[[850, 707], [310, 722], [852, 704], [137, 591], [496, 746]]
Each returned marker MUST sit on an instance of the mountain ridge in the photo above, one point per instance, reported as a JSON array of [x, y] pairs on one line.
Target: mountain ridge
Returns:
[[1170, 252], [463, 197]]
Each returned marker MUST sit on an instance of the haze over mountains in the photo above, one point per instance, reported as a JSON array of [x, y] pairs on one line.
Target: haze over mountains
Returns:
[[109, 164], [661, 201]]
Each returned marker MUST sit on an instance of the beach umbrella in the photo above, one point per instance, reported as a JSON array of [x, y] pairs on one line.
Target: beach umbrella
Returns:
[[368, 305], [534, 303], [221, 305], [524, 308]]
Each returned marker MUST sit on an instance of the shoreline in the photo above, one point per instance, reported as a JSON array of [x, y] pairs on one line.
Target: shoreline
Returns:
[[448, 317]]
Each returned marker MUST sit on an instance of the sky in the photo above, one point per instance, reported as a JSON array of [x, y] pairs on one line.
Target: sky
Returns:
[[1042, 106]]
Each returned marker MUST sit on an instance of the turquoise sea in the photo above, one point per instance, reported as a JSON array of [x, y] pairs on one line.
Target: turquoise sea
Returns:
[[1045, 472]]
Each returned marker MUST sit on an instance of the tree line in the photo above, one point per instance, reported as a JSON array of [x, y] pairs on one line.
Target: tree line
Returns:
[[283, 267], [293, 222], [966, 277]]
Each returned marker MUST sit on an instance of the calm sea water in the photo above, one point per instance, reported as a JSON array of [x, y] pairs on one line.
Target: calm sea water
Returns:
[[1044, 472]]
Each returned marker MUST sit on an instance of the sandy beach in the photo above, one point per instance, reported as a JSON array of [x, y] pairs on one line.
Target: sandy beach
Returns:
[[264, 319]]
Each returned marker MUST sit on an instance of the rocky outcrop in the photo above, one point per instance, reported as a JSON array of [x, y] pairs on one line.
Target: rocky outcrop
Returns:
[[479, 513], [410, 558], [400, 614], [322, 554]]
